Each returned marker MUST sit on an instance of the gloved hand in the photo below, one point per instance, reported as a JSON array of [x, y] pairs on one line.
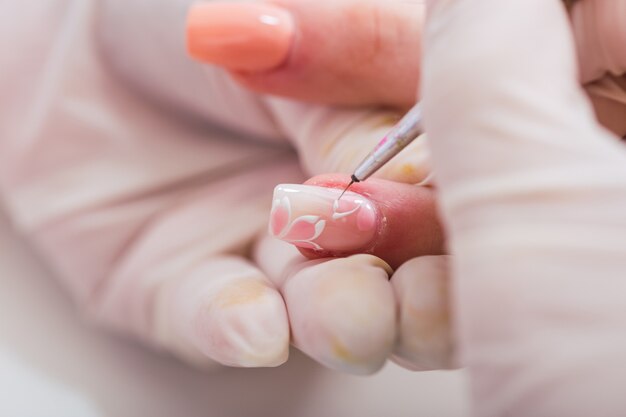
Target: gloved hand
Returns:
[[533, 191], [532, 188], [114, 167]]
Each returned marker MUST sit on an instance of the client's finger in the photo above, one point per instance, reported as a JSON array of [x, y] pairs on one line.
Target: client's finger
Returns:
[[598, 27], [393, 221], [608, 96], [348, 51], [600, 37]]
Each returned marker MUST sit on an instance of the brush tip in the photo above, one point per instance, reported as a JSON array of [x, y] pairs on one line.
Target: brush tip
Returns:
[[344, 190]]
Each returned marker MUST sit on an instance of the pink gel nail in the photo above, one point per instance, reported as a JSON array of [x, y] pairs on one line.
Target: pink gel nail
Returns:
[[311, 217], [248, 36]]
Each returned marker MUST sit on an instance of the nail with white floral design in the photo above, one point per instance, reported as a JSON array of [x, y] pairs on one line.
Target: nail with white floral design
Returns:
[[311, 217]]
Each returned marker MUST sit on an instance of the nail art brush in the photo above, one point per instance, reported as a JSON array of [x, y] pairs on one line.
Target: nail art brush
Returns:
[[403, 133]]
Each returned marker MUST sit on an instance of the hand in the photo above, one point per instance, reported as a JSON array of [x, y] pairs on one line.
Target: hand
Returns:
[[532, 190], [147, 217]]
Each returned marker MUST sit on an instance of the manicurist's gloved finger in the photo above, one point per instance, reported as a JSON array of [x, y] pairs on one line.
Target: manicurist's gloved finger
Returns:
[[330, 139], [425, 335], [342, 311], [171, 270], [393, 221]]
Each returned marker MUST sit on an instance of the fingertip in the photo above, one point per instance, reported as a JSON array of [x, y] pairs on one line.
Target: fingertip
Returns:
[[225, 309], [337, 54], [407, 221], [342, 313], [425, 338], [244, 324]]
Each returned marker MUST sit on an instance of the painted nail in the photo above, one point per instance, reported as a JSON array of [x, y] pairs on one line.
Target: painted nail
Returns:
[[311, 217], [240, 36]]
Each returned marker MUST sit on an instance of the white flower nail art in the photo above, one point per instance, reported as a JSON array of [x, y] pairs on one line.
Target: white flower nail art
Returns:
[[311, 217], [301, 231]]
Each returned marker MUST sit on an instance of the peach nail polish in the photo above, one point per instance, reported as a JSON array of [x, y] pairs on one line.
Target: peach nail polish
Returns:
[[311, 217], [250, 37]]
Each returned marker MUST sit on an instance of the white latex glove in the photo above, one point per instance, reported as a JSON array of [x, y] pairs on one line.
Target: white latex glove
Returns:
[[147, 213], [533, 191]]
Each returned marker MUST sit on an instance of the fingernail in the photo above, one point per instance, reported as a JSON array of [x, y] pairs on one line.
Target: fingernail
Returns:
[[241, 36], [311, 217]]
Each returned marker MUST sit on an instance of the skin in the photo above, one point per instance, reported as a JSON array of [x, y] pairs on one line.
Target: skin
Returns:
[[403, 234], [380, 66], [376, 38]]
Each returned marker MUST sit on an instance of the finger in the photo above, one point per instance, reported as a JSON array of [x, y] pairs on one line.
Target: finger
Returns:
[[163, 269], [330, 139], [191, 293], [337, 52], [276, 258], [393, 221], [175, 292], [223, 309], [425, 337], [600, 37], [342, 311], [608, 96], [200, 306], [601, 45]]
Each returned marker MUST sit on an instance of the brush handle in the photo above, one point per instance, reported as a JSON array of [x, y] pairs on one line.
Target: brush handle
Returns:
[[403, 133]]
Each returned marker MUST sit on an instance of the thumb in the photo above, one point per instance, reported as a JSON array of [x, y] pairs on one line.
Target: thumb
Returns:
[[289, 48], [330, 139]]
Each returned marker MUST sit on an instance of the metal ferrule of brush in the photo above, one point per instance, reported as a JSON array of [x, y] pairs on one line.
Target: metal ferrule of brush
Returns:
[[407, 130]]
